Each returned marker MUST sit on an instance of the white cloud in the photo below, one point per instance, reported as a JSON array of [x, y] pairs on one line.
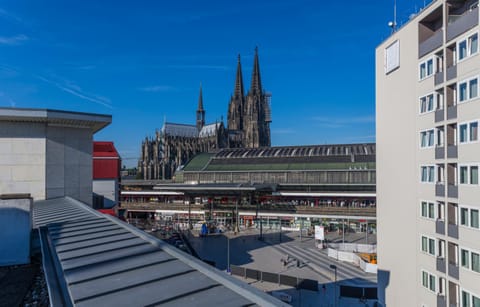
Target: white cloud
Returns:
[[75, 90], [13, 40]]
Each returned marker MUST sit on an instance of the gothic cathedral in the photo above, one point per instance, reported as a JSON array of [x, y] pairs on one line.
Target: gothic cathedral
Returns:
[[248, 125]]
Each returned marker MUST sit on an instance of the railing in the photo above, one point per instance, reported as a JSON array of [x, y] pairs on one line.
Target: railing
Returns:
[[452, 151], [453, 270], [453, 231], [452, 112], [438, 78], [441, 265], [319, 210], [440, 227], [462, 23], [439, 116], [452, 191], [439, 189], [451, 72], [431, 43], [439, 152]]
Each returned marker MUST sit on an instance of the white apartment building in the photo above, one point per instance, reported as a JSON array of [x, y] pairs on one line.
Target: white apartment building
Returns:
[[428, 157]]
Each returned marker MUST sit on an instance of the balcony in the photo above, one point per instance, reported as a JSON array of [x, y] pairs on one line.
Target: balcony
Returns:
[[453, 270], [439, 190], [441, 265], [440, 227], [439, 116], [453, 231], [452, 191], [452, 151], [452, 112], [460, 24], [438, 78], [441, 300], [451, 72], [431, 43], [439, 152]]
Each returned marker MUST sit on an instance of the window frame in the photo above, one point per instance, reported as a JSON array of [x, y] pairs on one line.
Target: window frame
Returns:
[[468, 179], [467, 83], [427, 103], [468, 47], [429, 276], [429, 138], [470, 253], [468, 210], [424, 63], [429, 179]]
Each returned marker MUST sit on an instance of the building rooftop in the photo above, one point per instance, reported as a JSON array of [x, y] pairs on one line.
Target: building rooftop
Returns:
[[93, 121], [92, 259]]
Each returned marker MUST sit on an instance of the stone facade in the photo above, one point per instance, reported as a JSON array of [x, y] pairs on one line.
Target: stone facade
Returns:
[[248, 125]]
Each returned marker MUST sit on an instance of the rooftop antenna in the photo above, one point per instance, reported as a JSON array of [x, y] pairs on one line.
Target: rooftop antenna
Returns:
[[393, 24]]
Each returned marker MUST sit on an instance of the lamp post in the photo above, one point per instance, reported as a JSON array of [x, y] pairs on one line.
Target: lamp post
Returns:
[[228, 254], [334, 267]]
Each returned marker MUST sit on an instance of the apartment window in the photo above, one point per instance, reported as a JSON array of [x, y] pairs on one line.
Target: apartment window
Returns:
[[464, 216], [429, 281], [470, 260], [469, 217], [470, 300], [428, 245], [467, 46], [468, 132], [427, 103], [469, 174], [428, 209], [427, 174], [473, 174], [427, 138], [440, 136], [474, 223], [468, 90], [426, 69], [465, 258]]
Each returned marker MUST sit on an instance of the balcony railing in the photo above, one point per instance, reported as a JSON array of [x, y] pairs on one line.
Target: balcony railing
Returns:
[[453, 270], [452, 112], [431, 43], [451, 72], [441, 265], [462, 23], [452, 151], [453, 231], [439, 189], [439, 152], [438, 78], [439, 116], [440, 227], [441, 301], [452, 191]]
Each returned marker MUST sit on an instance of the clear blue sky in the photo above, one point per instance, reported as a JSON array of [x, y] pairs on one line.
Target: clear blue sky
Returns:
[[142, 61]]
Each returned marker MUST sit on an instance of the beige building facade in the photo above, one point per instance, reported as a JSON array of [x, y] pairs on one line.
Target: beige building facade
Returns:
[[428, 156]]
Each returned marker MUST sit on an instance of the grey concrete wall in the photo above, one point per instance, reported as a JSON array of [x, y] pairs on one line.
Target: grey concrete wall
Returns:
[[22, 158], [15, 229], [69, 163]]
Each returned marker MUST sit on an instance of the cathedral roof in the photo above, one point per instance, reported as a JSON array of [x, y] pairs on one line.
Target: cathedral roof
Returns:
[[209, 130], [182, 130]]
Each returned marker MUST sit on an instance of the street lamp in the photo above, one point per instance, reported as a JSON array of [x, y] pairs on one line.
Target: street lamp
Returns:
[[334, 267]]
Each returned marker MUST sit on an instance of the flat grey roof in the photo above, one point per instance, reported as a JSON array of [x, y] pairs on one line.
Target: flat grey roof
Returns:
[[92, 259], [88, 120]]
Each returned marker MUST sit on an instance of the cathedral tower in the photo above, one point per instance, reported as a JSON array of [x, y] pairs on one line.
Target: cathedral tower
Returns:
[[256, 122], [200, 111], [237, 102]]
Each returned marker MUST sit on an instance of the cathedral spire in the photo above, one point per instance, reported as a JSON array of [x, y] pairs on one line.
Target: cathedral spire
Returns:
[[238, 92], [200, 111], [200, 99], [256, 86]]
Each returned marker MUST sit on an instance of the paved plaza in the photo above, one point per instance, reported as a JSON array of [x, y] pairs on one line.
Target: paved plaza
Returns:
[[248, 251]]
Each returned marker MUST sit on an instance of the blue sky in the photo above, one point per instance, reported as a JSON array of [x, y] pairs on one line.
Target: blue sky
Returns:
[[143, 61]]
